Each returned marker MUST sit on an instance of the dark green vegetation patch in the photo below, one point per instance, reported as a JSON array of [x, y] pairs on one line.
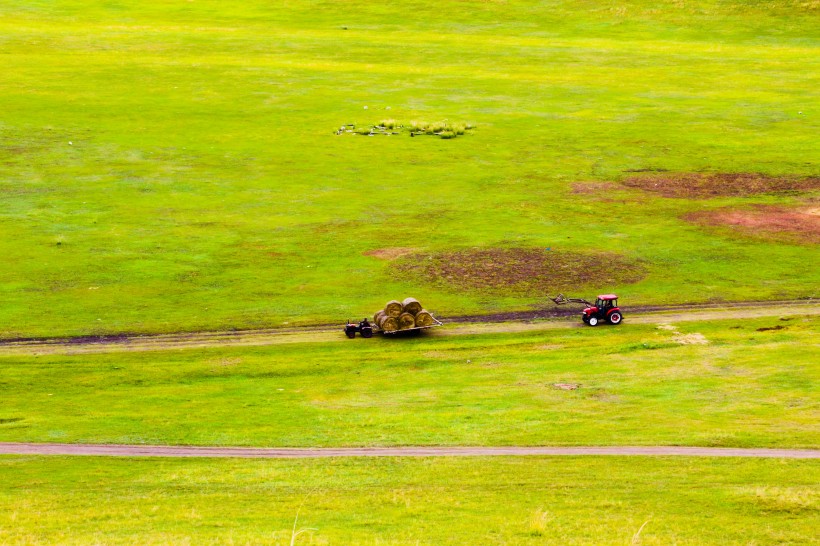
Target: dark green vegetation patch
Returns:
[[388, 127], [525, 271]]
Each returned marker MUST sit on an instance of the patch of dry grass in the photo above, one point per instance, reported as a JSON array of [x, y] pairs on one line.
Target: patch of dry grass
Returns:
[[705, 185], [523, 270]]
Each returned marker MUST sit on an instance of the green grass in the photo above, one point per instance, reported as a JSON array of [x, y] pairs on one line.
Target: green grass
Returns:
[[638, 385], [532, 500], [172, 166]]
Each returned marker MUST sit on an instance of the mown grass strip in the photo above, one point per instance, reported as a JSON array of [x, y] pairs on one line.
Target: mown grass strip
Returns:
[[749, 384], [512, 500]]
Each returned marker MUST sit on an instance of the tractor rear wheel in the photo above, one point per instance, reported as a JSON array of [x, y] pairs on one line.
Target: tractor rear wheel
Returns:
[[593, 321], [615, 318]]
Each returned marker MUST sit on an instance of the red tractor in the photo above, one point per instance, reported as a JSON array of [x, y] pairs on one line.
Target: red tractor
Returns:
[[605, 308], [364, 328]]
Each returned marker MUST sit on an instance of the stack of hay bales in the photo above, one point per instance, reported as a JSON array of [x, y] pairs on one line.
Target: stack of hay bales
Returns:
[[402, 315]]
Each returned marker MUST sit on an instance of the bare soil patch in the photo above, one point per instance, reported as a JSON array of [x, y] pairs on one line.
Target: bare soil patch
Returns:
[[766, 221], [586, 188], [523, 271], [390, 253], [705, 185], [695, 338], [549, 347], [771, 328]]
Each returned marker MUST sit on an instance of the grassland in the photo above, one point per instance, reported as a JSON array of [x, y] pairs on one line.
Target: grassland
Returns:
[[172, 166], [538, 500], [754, 384]]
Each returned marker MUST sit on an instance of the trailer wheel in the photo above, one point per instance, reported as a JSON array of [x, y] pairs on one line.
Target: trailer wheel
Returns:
[[615, 318], [593, 321]]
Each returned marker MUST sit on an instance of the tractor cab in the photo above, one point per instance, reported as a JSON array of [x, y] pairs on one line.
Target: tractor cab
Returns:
[[607, 301]]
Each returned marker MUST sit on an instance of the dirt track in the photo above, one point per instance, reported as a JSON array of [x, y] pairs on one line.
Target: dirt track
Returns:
[[487, 324], [310, 453]]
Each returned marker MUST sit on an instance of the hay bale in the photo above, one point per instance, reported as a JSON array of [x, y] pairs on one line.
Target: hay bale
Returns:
[[393, 308], [406, 320], [411, 305], [423, 318], [379, 314], [388, 324]]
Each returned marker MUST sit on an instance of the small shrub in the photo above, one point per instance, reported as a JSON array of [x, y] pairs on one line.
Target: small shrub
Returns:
[[538, 523], [436, 127], [444, 128]]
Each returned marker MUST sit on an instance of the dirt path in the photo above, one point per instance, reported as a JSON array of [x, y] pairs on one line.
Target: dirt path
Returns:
[[489, 324], [311, 453]]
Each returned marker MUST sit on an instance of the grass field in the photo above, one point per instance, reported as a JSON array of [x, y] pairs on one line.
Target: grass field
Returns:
[[754, 384], [172, 166], [537, 500]]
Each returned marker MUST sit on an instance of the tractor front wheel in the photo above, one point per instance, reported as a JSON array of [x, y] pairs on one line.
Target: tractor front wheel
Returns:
[[615, 318], [593, 321]]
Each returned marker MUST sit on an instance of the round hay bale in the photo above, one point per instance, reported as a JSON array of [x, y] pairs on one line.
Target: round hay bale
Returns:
[[423, 318], [406, 320], [379, 314], [388, 324], [393, 308], [411, 305]]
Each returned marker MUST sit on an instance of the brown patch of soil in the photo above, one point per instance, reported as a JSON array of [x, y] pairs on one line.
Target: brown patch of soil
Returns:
[[523, 271], [695, 338], [227, 362], [585, 188], [389, 253], [705, 185], [802, 225]]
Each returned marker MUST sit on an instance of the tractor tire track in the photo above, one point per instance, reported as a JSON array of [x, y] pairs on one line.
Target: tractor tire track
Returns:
[[106, 450], [488, 324]]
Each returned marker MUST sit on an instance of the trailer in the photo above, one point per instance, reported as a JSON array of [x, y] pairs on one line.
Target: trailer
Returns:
[[415, 329], [366, 329]]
